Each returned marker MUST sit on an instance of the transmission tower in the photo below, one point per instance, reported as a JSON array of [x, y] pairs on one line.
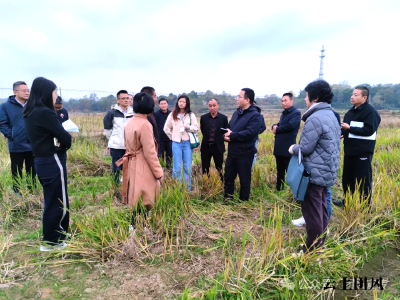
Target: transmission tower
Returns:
[[321, 64]]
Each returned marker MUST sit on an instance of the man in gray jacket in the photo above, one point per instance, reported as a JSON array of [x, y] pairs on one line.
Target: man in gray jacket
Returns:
[[320, 148]]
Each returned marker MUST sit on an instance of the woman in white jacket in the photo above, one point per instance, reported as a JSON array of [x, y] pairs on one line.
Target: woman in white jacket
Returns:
[[179, 124]]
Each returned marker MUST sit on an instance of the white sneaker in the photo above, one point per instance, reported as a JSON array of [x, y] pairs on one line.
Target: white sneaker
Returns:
[[131, 228], [299, 222], [47, 248], [327, 231]]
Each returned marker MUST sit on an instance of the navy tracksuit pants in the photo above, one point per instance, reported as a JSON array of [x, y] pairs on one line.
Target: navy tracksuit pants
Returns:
[[52, 173]]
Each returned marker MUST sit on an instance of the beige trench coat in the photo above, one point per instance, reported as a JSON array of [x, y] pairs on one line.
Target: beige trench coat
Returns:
[[141, 166]]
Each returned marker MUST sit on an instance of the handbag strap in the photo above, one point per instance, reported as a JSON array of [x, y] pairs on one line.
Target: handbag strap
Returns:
[[300, 157]]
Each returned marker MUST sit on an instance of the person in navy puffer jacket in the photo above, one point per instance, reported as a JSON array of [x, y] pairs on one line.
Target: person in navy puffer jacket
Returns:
[[13, 128]]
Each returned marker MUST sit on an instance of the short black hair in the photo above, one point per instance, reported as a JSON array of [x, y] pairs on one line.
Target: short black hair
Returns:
[[148, 90], [364, 90], [290, 95], [249, 94], [17, 84], [122, 92], [321, 90], [143, 103], [59, 100], [212, 99], [162, 99]]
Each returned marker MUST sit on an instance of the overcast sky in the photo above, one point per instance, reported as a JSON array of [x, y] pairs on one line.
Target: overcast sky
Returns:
[[178, 46]]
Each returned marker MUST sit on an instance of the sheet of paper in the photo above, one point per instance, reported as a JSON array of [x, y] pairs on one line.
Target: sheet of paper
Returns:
[[371, 137], [70, 126], [356, 124], [355, 136]]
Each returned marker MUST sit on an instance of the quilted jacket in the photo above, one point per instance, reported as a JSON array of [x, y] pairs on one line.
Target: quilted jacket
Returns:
[[320, 144]]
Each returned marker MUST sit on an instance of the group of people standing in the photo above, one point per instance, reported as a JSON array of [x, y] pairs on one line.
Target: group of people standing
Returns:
[[171, 135], [319, 146], [138, 137], [31, 120]]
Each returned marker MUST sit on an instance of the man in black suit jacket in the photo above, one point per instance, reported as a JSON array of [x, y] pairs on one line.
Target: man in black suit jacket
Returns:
[[212, 144]]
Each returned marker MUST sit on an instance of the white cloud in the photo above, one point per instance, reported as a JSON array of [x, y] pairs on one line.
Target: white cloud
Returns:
[[179, 45]]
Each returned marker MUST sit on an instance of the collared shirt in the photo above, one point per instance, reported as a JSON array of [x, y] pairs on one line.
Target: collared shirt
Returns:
[[212, 129], [23, 105], [288, 110]]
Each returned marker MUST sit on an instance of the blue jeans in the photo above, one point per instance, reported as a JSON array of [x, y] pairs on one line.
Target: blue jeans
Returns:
[[116, 154], [181, 152], [329, 203]]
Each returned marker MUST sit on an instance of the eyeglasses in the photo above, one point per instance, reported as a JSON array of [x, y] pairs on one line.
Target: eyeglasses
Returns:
[[124, 98], [24, 91]]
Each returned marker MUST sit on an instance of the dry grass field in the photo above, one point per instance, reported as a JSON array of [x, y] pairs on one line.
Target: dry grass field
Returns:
[[195, 245]]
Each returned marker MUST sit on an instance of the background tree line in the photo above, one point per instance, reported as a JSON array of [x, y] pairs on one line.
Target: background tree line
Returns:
[[382, 96]]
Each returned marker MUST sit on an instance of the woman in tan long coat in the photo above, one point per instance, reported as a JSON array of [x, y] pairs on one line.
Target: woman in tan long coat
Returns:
[[142, 171]]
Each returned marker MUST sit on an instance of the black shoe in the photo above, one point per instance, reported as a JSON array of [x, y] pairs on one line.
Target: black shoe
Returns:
[[339, 203]]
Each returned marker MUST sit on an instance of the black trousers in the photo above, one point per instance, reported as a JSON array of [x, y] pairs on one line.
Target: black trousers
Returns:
[[52, 173], [315, 213], [165, 151], [282, 163], [238, 166], [116, 154], [212, 152], [17, 163], [357, 170]]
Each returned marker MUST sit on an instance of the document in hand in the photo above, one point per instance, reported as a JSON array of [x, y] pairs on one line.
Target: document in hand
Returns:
[[360, 125], [70, 126]]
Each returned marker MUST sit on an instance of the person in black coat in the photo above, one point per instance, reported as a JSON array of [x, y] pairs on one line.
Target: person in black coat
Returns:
[[212, 145], [165, 146], [285, 136], [62, 113], [243, 130], [359, 128], [152, 92], [262, 129], [49, 142]]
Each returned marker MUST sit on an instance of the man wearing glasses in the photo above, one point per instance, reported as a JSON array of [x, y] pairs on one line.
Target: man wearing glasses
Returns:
[[12, 126], [114, 124], [241, 135]]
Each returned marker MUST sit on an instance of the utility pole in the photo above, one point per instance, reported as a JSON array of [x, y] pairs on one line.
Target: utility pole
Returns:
[[321, 64]]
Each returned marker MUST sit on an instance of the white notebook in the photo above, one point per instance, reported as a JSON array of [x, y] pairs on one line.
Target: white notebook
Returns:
[[70, 126]]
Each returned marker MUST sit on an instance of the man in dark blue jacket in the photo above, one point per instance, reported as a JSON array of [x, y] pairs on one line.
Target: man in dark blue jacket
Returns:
[[285, 136], [12, 126], [165, 146], [243, 130], [62, 113], [262, 129]]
